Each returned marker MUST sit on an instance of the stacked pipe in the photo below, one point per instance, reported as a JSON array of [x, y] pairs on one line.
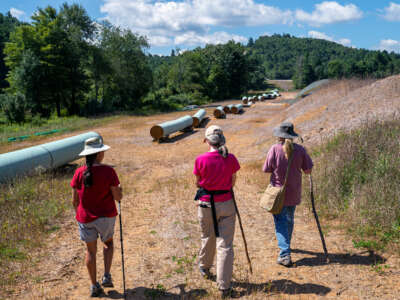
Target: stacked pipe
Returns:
[[199, 117], [245, 100], [219, 112], [163, 130], [43, 157]]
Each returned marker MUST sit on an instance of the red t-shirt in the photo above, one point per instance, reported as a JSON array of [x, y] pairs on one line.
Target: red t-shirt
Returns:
[[216, 173], [97, 200]]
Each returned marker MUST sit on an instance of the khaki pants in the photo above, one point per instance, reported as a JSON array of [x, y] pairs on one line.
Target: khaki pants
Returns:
[[226, 217]]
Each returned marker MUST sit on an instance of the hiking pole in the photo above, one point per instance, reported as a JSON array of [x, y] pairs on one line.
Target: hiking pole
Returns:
[[241, 229], [317, 220], [122, 247]]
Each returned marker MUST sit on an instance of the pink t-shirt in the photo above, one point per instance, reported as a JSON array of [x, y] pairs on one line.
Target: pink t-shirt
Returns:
[[216, 173], [277, 163]]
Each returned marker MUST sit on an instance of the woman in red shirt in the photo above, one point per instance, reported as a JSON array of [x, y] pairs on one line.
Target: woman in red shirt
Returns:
[[215, 172], [95, 189]]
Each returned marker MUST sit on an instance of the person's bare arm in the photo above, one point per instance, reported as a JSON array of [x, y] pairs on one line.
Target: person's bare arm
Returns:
[[197, 181], [117, 192], [233, 180], [75, 198]]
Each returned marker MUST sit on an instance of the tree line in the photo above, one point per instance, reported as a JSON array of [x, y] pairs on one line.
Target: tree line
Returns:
[[305, 59], [64, 63]]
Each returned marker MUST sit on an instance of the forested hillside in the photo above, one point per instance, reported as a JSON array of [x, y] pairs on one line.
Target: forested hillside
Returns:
[[64, 63], [305, 60]]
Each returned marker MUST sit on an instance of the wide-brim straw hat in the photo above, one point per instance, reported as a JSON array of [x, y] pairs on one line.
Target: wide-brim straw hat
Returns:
[[286, 131], [94, 145]]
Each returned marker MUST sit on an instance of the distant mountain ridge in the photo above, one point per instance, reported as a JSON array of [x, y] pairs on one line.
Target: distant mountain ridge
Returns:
[[306, 59]]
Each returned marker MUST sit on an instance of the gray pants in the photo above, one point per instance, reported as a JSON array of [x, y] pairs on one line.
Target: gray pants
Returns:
[[226, 217]]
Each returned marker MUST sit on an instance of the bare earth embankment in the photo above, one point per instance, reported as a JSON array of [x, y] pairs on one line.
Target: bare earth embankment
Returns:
[[161, 232]]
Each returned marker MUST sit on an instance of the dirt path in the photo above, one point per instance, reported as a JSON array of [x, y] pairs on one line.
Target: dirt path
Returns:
[[161, 231]]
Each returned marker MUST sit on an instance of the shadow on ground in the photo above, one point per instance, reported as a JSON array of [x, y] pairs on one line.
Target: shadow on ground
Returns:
[[156, 293], [370, 258], [281, 286], [205, 122], [178, 137]]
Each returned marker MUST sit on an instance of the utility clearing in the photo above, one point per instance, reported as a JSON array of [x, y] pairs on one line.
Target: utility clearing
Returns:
[[161, 231]]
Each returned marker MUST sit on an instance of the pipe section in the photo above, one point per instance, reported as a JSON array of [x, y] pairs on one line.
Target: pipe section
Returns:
[[163, 130], [43, 157], [219, 112], [237, 108], [199, 117]]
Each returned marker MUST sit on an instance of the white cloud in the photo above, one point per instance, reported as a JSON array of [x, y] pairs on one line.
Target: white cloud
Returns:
[[390, 45], [392, 12], [192, 38], [189, 21], [17, 13], [323, 36], [329, 12]]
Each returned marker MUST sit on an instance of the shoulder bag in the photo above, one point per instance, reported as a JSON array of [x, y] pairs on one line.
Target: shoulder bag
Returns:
[[274, 196]]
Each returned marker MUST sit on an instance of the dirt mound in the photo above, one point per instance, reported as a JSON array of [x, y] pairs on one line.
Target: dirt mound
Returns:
[[344, 104]]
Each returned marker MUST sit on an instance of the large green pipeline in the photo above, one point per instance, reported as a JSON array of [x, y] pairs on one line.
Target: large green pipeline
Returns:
[[163, 130], [198, 117], [43, 157]]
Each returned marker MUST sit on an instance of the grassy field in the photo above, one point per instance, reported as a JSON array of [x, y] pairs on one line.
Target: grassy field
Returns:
[[357, 178], [37, 125]]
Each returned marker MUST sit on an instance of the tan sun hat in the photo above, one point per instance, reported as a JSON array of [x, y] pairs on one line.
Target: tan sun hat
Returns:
[[94, 145], [212, 130]]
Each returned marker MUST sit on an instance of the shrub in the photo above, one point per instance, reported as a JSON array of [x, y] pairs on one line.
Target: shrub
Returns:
[[14, 107]]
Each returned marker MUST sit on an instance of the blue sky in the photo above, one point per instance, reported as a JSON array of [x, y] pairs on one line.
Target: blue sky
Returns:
[[170, 24]]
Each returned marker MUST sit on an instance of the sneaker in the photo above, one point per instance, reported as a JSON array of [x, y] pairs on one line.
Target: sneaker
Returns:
[[225, 293], [205, 273], [285, 261], [107, 281], [96, 290]]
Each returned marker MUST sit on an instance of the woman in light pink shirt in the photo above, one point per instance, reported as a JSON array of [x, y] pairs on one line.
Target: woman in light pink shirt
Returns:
[[215, 173], [276, 164]]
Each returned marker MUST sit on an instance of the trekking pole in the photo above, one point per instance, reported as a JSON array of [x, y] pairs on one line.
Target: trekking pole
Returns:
[[317, 220], [241, 229], [122, 247]]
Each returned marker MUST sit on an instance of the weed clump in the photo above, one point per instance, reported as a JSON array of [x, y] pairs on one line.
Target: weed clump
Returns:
[[357, 179]]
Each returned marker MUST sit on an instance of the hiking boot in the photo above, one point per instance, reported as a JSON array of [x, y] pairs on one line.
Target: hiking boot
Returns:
[[225, 293], [107, 281], [285, 261], [96, 290], [205, 273]]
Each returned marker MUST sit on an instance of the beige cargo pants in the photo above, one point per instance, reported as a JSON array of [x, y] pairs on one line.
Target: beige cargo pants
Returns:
[[226, 217]]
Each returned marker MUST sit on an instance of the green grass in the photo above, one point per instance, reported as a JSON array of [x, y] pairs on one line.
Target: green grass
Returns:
[[31, 208], [64, 124], [357, 177]]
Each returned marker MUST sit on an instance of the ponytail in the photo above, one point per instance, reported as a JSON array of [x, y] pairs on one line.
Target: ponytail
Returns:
[[87, 175], [223, 151], [288, 147]]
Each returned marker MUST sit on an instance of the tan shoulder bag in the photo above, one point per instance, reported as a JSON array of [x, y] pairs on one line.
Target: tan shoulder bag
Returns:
[[274, 196]]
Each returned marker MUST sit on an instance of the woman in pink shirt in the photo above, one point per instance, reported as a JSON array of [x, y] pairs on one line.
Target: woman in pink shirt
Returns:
[[215, 173], [276, 164]]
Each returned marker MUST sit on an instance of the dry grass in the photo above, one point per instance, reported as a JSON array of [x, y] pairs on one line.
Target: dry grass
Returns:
[[357, 178], [161, 231]]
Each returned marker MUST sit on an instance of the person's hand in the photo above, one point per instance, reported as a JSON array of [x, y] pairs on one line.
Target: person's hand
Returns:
[[197, 203]]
